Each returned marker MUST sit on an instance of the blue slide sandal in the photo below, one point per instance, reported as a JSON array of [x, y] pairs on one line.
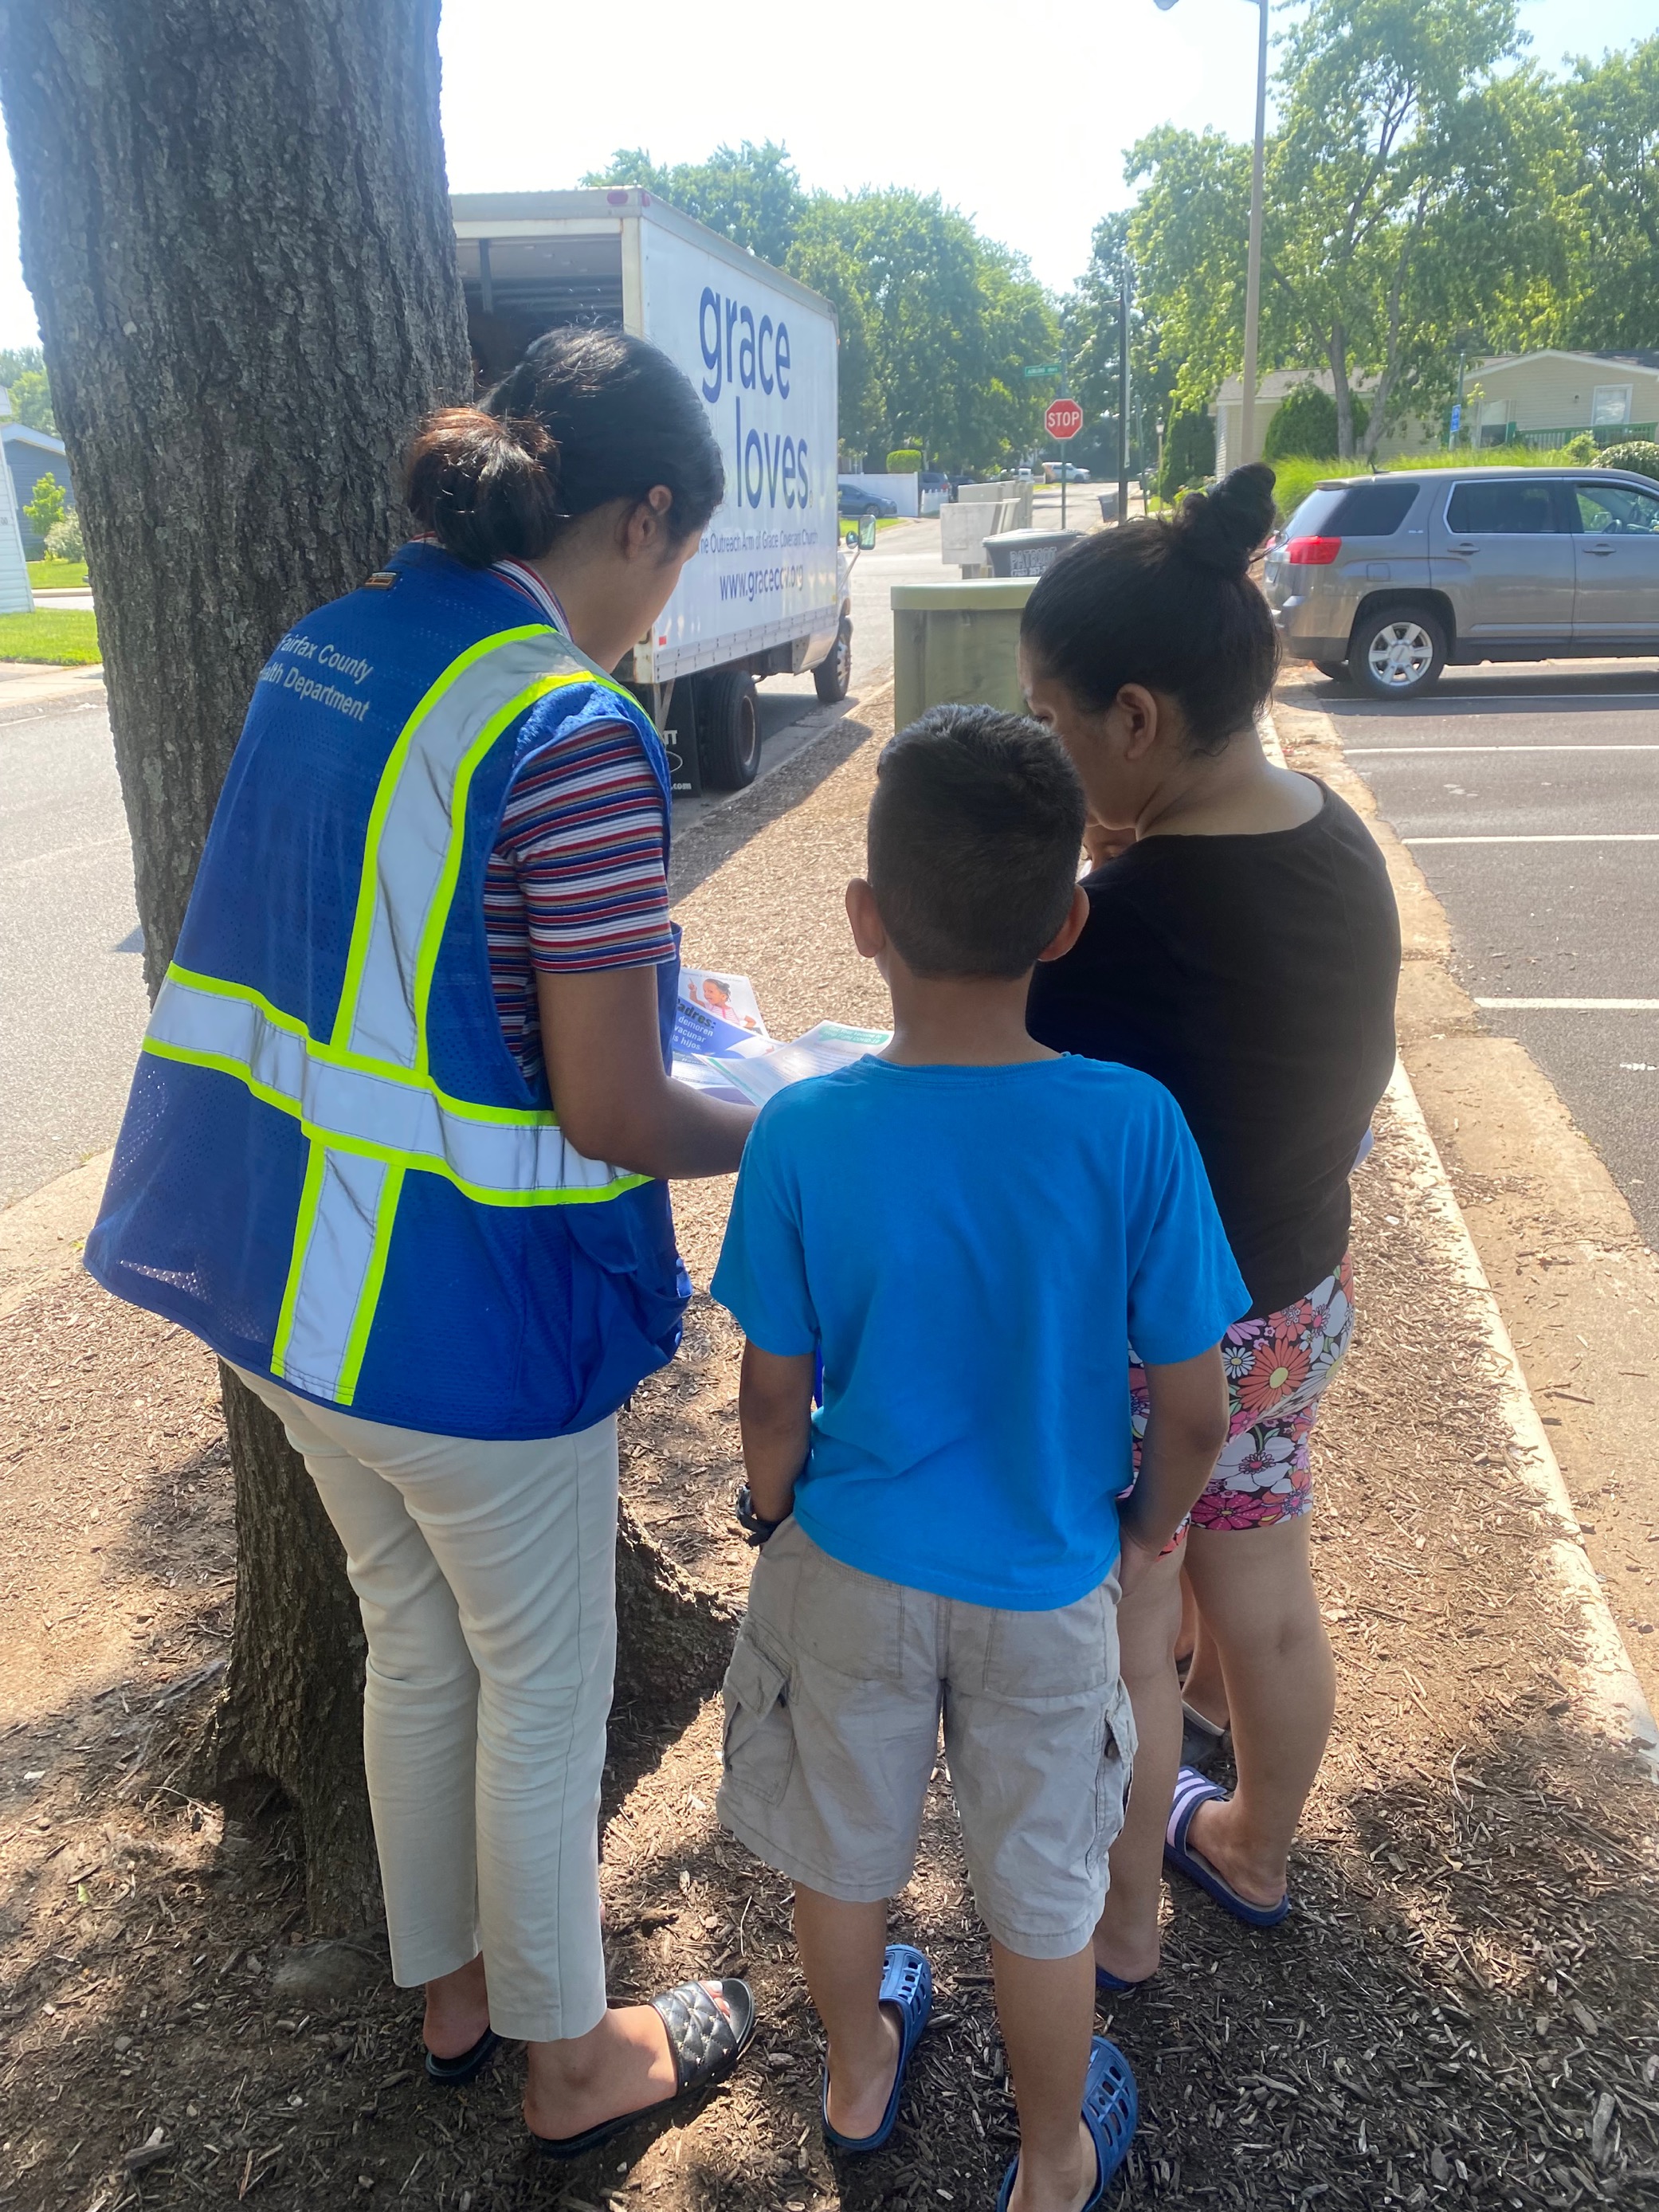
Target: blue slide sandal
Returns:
[[1110, 2109], [1192, 1789], [907, 1981]]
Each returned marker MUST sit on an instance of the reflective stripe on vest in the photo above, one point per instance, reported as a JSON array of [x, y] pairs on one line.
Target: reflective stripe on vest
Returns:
[[364, 1096]]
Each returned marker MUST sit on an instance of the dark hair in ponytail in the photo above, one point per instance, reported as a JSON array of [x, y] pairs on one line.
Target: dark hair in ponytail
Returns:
[[1169, 604], [588, 415]]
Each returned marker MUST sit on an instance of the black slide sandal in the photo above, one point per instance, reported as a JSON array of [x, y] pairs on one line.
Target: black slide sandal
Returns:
[[706, 2041], [456, 2073]]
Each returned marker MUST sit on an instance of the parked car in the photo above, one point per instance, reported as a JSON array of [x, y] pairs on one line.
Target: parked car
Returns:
[[1381, 581], [854, 500], [1065, 473], [936, 480]]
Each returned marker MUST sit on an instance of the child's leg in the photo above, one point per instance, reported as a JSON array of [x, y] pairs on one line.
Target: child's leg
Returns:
[[1204, 1690], [1046, 2008], [1126, 1940], [1187, 1642], [843, 1949], [1255, 1590]]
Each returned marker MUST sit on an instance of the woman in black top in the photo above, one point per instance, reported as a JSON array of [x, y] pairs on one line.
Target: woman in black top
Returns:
[[1243, 946]]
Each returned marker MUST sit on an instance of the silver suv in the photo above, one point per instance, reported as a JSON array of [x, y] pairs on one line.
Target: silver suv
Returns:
[[1381, 580]]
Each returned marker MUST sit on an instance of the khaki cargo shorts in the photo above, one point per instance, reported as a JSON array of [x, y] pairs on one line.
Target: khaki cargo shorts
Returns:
[[833, 1703]]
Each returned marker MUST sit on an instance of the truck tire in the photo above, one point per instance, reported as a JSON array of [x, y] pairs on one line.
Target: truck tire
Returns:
[[1397, 653], [728, 729], [835, 671]]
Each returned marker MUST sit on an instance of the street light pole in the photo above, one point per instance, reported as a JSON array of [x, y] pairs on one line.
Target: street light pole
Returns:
[[1253, 265]]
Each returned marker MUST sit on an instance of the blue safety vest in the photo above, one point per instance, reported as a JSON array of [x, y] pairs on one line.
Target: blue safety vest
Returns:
[[331, 1169]]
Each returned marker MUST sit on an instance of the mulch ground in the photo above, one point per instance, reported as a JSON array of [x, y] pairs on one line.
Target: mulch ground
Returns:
[[1460, 2012]]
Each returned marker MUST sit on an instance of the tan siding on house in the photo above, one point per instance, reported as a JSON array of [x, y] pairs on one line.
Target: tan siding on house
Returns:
[[1546, 394]]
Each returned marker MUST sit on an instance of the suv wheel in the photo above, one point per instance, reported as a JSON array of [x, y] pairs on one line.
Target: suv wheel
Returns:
[[1397, 654], [1334, 672]]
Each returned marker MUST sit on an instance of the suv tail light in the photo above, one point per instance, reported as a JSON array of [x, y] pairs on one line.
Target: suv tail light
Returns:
[[1312, 552]]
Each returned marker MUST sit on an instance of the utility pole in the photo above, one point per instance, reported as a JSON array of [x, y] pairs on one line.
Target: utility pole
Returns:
[[1123, 399], [1253, 267]]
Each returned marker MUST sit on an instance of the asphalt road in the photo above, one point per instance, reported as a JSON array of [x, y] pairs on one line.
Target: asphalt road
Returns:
[[72, 1002], [1529, 798]]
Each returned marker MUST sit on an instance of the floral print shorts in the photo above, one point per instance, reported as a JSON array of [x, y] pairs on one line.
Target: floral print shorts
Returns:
[[1278, 1366]]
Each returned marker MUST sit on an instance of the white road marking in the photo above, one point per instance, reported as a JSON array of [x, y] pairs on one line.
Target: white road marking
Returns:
[[1560, 837], [1386, 753], [1575, 1006]]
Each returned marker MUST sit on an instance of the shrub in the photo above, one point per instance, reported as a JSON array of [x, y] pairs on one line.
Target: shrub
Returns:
[[1581, 449], [1304, 425], [905, 461], [48, 506], [1188, 452], [1639, 457], [63, 540]]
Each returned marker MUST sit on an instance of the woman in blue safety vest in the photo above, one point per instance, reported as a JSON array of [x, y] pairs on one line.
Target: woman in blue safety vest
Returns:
[[396, 1150]]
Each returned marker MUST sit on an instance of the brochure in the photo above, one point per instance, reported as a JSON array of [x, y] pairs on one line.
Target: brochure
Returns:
[[728, 998], [752, 1078]]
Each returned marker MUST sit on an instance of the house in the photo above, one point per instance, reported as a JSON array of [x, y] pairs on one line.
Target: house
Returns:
[[30, 454], [16, 596], [1541, 399], [1544, 399], [1271, 392]]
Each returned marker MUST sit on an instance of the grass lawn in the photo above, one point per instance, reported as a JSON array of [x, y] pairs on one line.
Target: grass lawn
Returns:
[[67, 635], [57, 575]]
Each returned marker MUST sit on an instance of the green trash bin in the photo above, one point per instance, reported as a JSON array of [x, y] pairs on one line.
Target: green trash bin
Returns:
[[957, 643]]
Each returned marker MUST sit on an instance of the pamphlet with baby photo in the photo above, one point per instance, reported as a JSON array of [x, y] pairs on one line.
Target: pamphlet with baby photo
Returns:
[[723, 1046]]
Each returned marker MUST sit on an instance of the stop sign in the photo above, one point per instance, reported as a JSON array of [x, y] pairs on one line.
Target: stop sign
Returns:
[[1063, 418]]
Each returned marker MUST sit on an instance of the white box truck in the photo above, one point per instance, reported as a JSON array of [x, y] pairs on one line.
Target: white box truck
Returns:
[[766, 592]]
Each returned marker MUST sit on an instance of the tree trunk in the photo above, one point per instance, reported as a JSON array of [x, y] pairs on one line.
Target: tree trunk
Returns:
[[236, 230], [1336, 352]]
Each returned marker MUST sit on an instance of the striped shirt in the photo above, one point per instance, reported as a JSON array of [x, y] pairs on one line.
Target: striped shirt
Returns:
[[577, 876]]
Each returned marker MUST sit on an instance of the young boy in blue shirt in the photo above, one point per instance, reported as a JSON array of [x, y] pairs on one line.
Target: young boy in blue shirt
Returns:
[[968, 1229]]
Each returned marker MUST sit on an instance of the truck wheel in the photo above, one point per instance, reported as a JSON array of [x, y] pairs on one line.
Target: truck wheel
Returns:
[[1396, 653], [728, 729], [835, 671]]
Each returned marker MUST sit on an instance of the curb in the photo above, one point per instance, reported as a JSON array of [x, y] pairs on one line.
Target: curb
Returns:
[[1607, 1684], [1608, 1691]]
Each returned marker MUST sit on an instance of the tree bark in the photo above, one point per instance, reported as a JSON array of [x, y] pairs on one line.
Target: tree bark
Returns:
[[1336, 352], [236, 230]]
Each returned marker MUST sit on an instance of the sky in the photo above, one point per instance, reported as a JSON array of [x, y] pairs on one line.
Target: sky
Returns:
[[1019, 113]]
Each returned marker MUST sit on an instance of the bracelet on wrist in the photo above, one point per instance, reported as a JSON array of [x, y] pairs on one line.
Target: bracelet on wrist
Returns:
[[754, 1525]]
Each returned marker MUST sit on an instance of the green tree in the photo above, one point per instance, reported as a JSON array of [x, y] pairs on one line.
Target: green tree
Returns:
[[1090, 320], [1391, 186], [751, 194], [31, 400], [822, 259], [1304, 425], [48, 506], [1612, 114]]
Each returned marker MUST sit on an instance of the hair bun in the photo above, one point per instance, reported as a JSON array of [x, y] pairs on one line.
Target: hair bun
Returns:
[[486, 486], [1222, 529]]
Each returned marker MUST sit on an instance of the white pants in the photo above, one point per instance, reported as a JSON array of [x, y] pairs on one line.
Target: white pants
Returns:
[[486, 1573]]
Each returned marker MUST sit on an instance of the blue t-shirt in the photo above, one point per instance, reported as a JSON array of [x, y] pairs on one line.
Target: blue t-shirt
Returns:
[[971, 1248]]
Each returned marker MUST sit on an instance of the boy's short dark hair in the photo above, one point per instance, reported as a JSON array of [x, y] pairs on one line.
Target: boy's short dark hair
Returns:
[[975, 831]]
